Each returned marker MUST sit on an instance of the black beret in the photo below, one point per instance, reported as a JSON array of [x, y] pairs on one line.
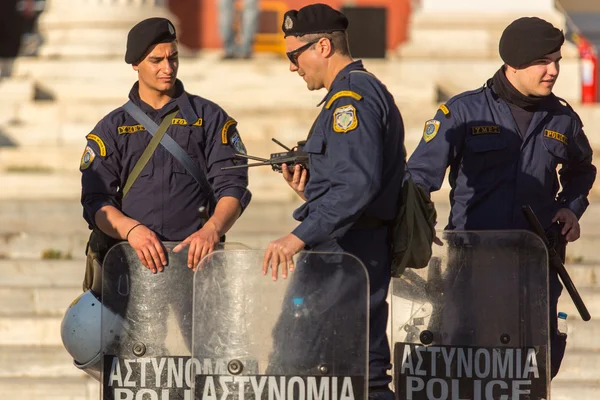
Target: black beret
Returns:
[[528, 39], [314, 18], [147, 33]]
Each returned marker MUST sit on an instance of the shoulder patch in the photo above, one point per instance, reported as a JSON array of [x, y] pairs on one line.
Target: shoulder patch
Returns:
[[224, 132], [343, 93], [345, 119], [99, 142], [87, 158], [431, 129], [443, 108]]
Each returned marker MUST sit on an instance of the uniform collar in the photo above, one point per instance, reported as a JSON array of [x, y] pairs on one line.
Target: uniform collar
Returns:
[[549, 103], [180, 100], [343, 74]]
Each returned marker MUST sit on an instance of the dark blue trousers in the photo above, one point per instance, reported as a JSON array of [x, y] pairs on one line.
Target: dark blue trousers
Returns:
[[372, 247]]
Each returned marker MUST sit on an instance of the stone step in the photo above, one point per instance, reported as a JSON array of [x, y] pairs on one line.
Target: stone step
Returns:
[[50, 388], [591, 298], [566, 390], [37, 362], [583, 335], [38, 301], [25, 275], [16, 90], [30, 331], [580, 365]]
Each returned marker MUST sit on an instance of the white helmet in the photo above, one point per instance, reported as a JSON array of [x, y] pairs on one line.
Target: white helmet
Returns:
[[81, 332]]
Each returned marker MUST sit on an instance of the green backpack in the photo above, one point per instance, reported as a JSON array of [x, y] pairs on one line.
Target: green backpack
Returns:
[[413, 230]]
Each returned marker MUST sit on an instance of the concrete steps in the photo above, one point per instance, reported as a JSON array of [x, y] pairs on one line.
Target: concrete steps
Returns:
[[574, 390], [40, 388]]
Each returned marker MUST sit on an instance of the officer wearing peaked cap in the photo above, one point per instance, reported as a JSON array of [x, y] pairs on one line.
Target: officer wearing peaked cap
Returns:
[[357, 165], [503, 143], [163, 201]]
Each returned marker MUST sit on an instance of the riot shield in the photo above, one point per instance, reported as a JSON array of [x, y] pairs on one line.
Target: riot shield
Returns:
[[146, 325], [304, 337], [473, 324]]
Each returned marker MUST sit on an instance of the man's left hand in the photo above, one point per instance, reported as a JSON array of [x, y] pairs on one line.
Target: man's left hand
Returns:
[[201, 243], [281, 251], [570, 224]]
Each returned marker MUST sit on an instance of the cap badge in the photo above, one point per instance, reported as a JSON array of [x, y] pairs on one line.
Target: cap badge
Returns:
[[289, 24]]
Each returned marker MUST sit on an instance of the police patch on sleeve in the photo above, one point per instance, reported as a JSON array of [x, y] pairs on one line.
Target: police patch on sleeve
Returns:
[[226, 128], [237, 144], [99, 142], [87, 158], [345, 119], [431, 129]]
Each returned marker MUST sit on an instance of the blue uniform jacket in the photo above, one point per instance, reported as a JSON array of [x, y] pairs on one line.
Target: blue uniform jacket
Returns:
[[356, 158], [494, 170], [165, 197]]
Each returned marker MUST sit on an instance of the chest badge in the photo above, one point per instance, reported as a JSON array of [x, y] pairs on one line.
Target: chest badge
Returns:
[[431, 129], [345, 119], [484, 130], [556, 136]]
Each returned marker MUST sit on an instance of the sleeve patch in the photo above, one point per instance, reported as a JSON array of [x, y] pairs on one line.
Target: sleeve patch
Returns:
[[431, 129], [87, 158], [343, 93], [99, 142], [345, 119], [237, 144], [225, 130]]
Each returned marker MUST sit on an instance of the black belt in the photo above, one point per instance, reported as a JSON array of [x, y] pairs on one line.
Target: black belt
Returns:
[[367, 222]]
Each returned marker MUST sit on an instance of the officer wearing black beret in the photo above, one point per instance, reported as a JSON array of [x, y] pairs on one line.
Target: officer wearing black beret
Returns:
[[357, 165], [503, 143], [162, 202]]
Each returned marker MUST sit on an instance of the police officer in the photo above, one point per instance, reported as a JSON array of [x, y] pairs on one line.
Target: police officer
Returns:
[[163, 202], [357, 164], [503, 143]]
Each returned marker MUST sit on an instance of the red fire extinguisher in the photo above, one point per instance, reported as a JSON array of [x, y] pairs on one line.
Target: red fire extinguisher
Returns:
[[589, 70]]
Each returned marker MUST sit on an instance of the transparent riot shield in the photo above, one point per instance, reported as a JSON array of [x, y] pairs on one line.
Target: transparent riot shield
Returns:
[[304, 337], [146, 325], [473, 324]]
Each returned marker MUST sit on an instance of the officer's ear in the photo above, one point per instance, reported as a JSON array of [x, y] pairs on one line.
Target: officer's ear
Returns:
[[135, 67], [509, 69], [326, 45]]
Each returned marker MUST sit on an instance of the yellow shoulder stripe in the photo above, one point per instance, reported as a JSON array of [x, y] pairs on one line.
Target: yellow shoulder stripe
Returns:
[[225, 129], [443, 108], [343, 93], [98, 141]]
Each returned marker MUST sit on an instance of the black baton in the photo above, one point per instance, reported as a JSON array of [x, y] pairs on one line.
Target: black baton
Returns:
[[556, 263]]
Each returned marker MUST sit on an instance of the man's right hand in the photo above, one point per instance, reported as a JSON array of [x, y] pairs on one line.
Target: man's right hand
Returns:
[[148, 247], [296, 178]]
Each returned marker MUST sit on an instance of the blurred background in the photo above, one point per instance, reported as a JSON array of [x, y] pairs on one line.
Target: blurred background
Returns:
[[62, 70]]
